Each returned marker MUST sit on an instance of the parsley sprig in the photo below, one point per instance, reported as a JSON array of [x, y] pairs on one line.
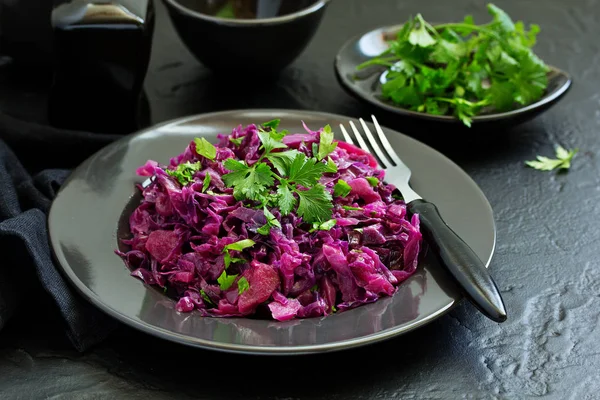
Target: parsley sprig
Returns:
[[463, 69], [284, 178], [562, 160]]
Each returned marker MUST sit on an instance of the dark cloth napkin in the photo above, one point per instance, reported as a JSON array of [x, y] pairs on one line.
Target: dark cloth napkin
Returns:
[[34, 161]]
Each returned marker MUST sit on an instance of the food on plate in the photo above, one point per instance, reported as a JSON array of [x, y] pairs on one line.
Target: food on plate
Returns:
[[272, 224], [463, 69]]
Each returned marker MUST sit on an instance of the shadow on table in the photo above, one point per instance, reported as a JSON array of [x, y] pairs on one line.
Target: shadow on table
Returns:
[[173, 367]]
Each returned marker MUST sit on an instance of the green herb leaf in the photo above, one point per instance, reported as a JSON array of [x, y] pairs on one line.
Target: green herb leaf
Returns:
[[184, 172], [271, 219], [205, 148], [225, 281], [419, 35], [248, 182], [562, 161], [331, 167], [283, 160], [236, 141], [341, 188], [327, 225], [306, 171], [243, 285], [239, 246], [372, 180], [264, 230], [206, 183], [270, 141], [315, 204], [206, 298], [350, 208], [273, 124], [326, 143], [501, 19], [285, 199]]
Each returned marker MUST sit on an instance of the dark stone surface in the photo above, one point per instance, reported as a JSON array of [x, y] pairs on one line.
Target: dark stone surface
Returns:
[[546, 262]]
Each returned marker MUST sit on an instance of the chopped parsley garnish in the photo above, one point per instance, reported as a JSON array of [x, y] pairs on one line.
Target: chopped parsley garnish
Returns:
[[326, 143], [237, 246], [463, 69], [225, 281], [350, 208], [206, 298], [206, 183], [562, 161], [236, 141], [205, 148], [184, 172], [373, 181], [341, 188], [243, 285], [272, 221], [323, 226]]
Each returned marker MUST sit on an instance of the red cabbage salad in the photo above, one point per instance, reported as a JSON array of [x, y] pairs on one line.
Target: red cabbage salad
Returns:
[[271, 224]]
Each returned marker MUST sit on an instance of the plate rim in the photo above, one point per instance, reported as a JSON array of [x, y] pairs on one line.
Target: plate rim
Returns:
[[169, 335], [350, 88]]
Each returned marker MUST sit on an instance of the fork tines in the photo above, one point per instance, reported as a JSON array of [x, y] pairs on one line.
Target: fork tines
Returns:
[[385, 154]]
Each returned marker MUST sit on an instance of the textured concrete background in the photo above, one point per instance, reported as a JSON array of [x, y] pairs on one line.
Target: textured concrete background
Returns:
[[546, 261]]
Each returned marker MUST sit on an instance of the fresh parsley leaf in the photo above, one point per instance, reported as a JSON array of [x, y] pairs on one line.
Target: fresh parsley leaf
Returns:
[[270, 142], [271, 219], [326, 143], [331, 167], [206, 183], [285, 199], [323, 226], [273, 124], [315, 204], [562, 161], [243, 285], [239, 246], [314, 288], [206, 298], [283, 159], [306, 171], [205, 148], [225, 281], [341, 188], [184, 172], [249, 182], [327, 225], [501, 95], [350, 208], [236, 141], [419, 35], [264, 230], [372, 180], [501, 19]]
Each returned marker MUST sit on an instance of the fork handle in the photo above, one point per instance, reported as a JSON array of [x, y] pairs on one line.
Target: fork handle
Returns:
[[460, 260]]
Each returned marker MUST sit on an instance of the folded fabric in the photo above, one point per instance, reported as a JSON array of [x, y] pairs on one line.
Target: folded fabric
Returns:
[[34, 161]]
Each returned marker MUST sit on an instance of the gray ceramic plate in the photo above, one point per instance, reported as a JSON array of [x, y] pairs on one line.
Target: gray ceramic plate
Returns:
[[91, 210], [367, 87]]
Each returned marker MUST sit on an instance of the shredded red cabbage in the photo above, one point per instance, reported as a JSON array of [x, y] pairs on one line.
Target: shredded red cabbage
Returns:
[[179, 235]]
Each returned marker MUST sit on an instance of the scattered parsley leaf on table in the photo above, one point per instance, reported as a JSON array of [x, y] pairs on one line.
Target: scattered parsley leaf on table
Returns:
[[562, 160]]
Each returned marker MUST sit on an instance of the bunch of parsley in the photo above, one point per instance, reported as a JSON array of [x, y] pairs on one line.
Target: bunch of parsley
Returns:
[[463, 69]]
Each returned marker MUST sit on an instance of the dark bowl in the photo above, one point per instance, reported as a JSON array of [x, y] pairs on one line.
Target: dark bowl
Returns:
[[366, 85], [263, 46]]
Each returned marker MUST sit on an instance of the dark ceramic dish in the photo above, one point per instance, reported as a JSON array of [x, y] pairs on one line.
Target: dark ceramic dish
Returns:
[[366, 84], [91, 213], [258, 45]]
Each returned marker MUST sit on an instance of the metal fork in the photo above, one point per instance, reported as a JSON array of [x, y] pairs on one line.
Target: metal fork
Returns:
[[453, 253]]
